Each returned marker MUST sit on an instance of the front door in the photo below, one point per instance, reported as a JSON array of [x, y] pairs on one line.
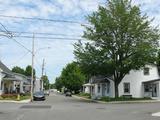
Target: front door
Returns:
[[154, 90]]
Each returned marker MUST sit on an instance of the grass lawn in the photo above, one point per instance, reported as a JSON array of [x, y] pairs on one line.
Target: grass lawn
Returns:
[[85, 95]]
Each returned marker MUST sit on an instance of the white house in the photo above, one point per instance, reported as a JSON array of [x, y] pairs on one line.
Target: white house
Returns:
[[87, 88], [138, 83], [11, 82]]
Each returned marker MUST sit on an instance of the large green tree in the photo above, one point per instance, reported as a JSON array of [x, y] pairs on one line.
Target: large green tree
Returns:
[[17, 69], [71, 78], [121, 39], [27, 71]]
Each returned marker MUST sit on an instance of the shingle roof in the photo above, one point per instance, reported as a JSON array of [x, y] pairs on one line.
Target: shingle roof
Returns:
[[5, 68], [100, 79]]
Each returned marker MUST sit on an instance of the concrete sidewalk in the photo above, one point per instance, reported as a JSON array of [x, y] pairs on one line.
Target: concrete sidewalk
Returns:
[[117, 102], [13, 101]]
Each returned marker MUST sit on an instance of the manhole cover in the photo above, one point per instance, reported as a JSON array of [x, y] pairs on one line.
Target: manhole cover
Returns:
[[35, 107]]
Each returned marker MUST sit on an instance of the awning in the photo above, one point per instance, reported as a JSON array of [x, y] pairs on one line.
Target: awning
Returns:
[[11, 79], [151, 81]]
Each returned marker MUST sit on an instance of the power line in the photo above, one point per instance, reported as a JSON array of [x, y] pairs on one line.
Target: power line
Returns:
[[21, 45], [43, 19], [40, 33], [21, 58], [11, 37], [54, 38], [6, 31]]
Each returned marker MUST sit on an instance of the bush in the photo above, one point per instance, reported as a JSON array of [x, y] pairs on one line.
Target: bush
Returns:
[[105, 98], [122, 98]]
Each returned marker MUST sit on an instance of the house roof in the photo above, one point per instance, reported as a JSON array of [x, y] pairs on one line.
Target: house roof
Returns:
[[5, 68], [151, 81], [100, 79], [9, 75]]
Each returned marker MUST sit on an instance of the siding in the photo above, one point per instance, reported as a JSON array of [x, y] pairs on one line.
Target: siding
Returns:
[[135, 78]]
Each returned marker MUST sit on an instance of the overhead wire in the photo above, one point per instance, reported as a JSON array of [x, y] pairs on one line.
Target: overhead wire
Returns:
[[42, 33], [55, 38], [19, 60], [43, 19]]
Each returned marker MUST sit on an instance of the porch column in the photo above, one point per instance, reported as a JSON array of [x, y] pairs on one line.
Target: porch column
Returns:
[[21, 87], [158, 90], [1, 84]]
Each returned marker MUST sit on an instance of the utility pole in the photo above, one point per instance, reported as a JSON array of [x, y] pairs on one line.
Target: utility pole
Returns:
[[32, 79], [41, 83]]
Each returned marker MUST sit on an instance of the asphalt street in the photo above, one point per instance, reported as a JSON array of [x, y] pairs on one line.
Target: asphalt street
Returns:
[[59, 107]]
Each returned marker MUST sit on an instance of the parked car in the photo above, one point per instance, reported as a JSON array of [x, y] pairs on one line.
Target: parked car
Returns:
[[68, 94], [47, 92], [39, 95]]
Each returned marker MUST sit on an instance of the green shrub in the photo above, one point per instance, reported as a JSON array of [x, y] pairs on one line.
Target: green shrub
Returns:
[[105, 98], [122, 98]]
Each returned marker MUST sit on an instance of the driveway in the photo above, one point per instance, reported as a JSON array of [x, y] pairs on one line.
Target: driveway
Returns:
[[59, 107]]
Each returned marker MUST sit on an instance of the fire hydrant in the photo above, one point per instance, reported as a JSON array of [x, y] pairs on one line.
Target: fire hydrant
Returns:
[[18, 97]]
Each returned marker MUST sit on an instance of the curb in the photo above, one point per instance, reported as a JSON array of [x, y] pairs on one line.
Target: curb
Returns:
[[117, 102], [12, 101]]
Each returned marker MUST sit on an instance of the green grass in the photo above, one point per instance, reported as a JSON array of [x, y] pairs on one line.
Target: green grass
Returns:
[[85, 95]]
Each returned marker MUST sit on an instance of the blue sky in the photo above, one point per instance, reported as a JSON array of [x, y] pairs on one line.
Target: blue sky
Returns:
[[61, 51]]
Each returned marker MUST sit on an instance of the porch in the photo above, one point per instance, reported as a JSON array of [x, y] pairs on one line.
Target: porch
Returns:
[[151, 89], [11, 86]]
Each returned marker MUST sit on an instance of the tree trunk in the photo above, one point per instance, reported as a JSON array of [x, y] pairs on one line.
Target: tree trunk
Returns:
[[116, 90]]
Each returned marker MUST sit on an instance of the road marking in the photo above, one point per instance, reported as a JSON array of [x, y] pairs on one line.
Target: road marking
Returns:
[[156, 114]]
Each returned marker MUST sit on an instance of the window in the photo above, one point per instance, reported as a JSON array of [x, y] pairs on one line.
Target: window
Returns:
[[146, 71], [99, 88], [146, 88], [126, 87]]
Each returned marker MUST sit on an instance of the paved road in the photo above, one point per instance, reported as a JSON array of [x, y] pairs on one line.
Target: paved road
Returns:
[[58, 107]]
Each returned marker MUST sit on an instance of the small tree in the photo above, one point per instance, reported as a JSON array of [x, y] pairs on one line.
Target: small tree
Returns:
[[58, 83], [121, 38], [28, 71], [17, 69], [45, 82], [71, 78]]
